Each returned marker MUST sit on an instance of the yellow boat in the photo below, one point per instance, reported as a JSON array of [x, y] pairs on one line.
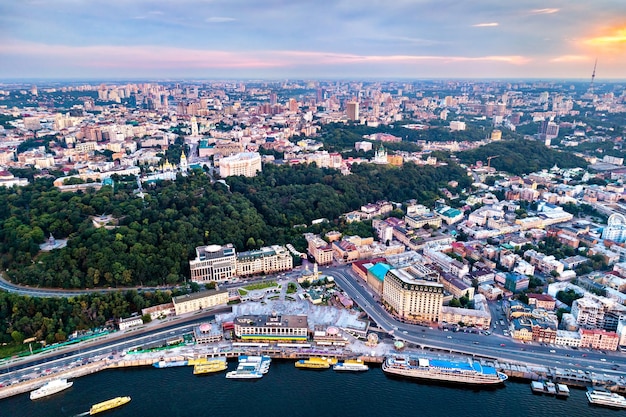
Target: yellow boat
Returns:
[[108, 405], [212, 365], [316, 363]]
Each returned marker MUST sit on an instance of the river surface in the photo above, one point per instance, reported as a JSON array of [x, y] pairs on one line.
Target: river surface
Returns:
[[287, 391]]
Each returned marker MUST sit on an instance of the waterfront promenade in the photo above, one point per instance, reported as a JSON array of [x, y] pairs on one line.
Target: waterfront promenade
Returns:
[[369, 354]]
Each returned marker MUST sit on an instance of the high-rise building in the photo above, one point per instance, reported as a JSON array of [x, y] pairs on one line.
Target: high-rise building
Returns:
[[352, 109], [548, 130], [293, 105], [411, 297]]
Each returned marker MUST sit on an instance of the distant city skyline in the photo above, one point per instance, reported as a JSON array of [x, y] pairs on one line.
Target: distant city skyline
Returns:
[[345, 39]]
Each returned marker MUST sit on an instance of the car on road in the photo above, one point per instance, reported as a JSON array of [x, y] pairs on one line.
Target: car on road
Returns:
[[552, 351], [602, 360], [502, 344], [449, 337]]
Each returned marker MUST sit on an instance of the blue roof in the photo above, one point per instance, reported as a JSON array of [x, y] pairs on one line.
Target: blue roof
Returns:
[[379, 270], [463, 366], [440, 363]]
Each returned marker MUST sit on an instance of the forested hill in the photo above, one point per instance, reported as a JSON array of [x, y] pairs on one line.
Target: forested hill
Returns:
[[157, 236], [286, 196], [519, 157]]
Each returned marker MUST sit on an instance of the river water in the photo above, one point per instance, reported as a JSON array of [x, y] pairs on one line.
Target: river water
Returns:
[[287, 391]]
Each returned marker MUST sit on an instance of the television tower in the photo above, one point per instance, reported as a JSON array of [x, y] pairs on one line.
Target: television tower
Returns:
[[593, 76]]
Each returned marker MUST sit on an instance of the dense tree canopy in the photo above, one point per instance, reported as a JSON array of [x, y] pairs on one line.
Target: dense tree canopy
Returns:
[[54, 319], [521, 157], [155, 237]]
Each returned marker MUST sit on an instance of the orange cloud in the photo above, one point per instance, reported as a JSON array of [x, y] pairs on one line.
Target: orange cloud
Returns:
[[617, 38]]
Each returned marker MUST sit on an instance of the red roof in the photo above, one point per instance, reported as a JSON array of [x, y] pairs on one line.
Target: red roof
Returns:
[[541, 297]]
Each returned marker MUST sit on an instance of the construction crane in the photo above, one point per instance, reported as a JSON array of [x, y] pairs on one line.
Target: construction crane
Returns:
[[489, 158]]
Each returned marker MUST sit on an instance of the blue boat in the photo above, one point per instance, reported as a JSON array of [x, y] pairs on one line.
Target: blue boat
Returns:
[[169, 364]]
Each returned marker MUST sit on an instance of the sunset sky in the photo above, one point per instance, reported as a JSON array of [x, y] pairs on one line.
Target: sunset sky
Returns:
[[312, 39]]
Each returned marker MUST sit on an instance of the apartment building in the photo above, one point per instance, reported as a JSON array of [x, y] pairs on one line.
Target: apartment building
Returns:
[[319, 249], [598, 339]]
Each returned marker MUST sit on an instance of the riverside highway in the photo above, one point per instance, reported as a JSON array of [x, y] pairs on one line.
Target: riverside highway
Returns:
[[478, 345], [494, 346]]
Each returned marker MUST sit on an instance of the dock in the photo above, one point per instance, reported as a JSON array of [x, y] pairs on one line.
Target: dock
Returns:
[[515, 371]]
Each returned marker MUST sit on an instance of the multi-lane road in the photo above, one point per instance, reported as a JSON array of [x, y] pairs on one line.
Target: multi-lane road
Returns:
[[495, 346]]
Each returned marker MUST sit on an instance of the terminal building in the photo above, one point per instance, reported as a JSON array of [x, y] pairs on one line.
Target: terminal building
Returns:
[[412, 298], [274, 327]]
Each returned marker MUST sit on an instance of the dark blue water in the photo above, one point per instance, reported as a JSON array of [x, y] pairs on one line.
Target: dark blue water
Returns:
[[287, 391]]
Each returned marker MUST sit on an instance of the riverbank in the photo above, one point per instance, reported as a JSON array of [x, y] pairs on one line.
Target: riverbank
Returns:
[[518, 371]]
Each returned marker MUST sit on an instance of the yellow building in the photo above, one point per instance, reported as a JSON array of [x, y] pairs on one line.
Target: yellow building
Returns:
[[411, 298], [274, 327], [199, 300]]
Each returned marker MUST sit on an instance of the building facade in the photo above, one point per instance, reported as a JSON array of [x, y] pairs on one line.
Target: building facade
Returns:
[[213, 263], [272, 327], [410, 298], [264, 261], [200, 300], [245, 163], [598, 339]]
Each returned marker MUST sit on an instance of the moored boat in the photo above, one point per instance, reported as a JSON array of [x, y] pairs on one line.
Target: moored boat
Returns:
[[108, 405], [250, 367], [460, 372], [537, 387], [168, 364], [316, 363], [605, 398], [562, 390], [211, 366], [351, 365], [50, 388]]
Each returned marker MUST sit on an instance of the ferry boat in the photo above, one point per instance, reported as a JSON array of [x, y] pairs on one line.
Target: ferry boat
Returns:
[[50, 388], [108, 405], [605, 398], [351, 365], [168, 364], [212, 365], [461, 372], [250, 367], [316, 363]]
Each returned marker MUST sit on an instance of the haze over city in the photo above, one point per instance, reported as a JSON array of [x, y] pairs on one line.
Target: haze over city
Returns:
[[336, 39]]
